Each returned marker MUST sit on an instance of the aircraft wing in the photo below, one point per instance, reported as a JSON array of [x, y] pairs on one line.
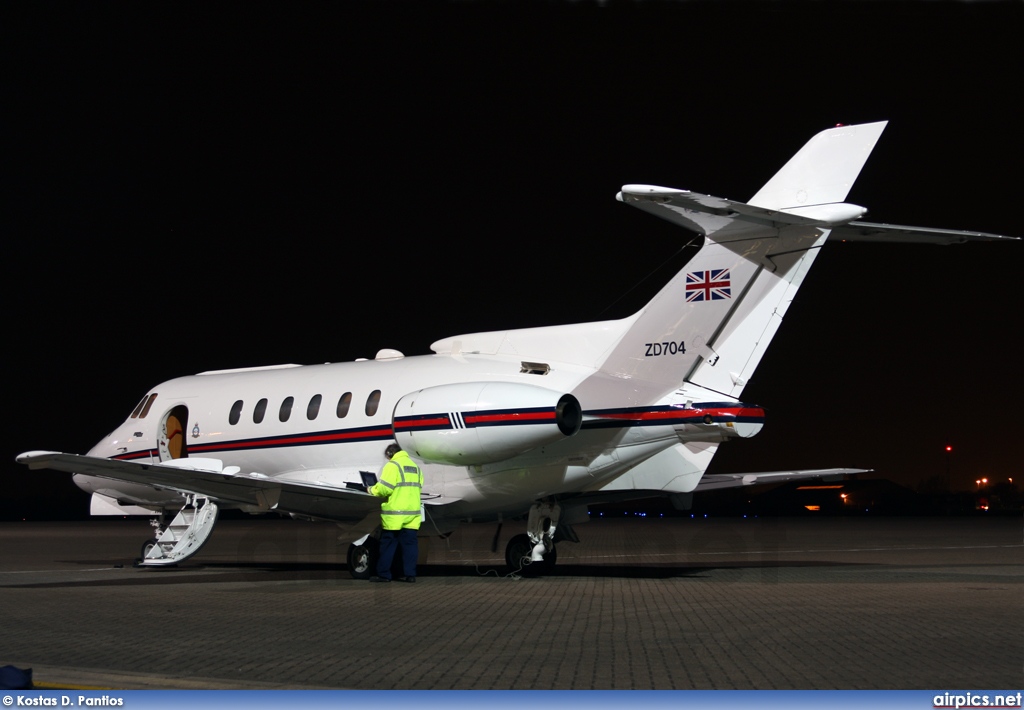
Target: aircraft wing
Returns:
[[207, 477], [899, 233], [735, 480], [710, 482]]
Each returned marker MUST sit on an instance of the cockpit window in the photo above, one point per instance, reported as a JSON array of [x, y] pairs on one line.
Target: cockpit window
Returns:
[[236, 412], [314, 407], [138, 407], [260, 411], [149, 404], [343, 404], [286, 409], [372, 402]]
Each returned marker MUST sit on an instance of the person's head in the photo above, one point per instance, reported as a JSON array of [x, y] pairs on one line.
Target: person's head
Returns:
[[389, 453]]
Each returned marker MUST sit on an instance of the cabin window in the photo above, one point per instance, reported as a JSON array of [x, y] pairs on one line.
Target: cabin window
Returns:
[[260, 411], [286, 408], [236, 412], [314, 407], [343, 404], [372, 402]]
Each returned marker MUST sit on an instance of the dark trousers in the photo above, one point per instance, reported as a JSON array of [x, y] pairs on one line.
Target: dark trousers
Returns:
[[389, 542]]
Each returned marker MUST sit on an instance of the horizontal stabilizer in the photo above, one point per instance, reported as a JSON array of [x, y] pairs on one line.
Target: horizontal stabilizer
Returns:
[[898, 233], [706, 214], [736, 480]]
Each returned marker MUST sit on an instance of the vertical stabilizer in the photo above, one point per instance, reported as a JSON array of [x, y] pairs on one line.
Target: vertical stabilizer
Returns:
[[711, 324], [823, 171]]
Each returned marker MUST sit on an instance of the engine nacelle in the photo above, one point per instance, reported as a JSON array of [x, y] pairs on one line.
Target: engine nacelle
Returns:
[[475, 423], [720, 422]]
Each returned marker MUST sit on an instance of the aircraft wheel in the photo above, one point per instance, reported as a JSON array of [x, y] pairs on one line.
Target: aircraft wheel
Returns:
[[517, 557], [149, 545], [362, 559]]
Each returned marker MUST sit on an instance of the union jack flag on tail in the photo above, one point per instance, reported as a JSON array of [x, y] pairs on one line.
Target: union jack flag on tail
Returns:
[[713, 285]]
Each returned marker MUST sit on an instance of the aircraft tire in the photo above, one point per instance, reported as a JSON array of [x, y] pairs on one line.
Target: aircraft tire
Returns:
[[362, 559], [149, 545], [517, 557]]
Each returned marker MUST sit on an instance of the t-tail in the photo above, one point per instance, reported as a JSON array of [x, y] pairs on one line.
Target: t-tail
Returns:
[[694, 347], [711, 324]]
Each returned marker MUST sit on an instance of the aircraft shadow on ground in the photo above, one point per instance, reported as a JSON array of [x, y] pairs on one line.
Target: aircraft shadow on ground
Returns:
[[260, 572]]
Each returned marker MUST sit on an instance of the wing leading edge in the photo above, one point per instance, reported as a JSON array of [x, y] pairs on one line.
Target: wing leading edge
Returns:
[[735, 480], [899, 233], [207, 477]]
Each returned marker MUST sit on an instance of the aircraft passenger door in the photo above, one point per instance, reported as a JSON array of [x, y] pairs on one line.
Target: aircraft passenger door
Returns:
[[171, 441]]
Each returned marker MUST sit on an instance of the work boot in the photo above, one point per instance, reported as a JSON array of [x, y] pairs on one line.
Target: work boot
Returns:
[[379, 579]]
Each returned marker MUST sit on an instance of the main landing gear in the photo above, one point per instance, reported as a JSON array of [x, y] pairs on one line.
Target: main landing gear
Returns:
[[534, 553], [185, 535], [362, 559], [363, 555]]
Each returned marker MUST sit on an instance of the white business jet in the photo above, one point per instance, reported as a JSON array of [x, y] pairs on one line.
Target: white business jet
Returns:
[[536, 423]]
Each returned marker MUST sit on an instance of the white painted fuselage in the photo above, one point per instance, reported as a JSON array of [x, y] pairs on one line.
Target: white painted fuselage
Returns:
[[323, 424]]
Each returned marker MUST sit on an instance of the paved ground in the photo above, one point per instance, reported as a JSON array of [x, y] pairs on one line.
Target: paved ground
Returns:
[[639, 603]]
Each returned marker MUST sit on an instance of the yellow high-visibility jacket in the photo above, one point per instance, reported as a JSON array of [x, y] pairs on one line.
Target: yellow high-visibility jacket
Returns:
[[400, 484]]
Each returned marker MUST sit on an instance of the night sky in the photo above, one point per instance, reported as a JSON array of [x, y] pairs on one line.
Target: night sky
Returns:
[[194, 186]]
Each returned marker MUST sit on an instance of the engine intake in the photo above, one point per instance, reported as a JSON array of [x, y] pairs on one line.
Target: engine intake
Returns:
[[474, 423]]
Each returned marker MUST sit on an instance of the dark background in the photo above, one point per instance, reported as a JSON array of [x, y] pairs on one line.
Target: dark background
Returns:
[[195, 186]]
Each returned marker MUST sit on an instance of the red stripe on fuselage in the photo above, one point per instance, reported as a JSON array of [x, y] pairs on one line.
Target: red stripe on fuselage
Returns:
[[683, 414], [423, 421], [135, 455], [508, 417], [286, 440]]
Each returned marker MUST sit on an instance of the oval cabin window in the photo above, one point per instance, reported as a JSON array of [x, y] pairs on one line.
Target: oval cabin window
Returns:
[[372, 402]]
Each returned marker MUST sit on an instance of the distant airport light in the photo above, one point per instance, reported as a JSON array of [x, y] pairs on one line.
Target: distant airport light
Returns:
[[949, 448], [813, 507]]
